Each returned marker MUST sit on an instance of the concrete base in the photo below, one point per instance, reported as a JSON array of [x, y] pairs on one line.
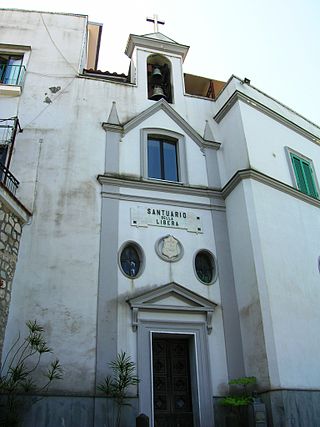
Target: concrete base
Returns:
[[67, 411], [286, 408], [292, 408]]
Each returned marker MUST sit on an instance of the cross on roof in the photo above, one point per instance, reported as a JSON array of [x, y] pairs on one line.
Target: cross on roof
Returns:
[[155, 21]]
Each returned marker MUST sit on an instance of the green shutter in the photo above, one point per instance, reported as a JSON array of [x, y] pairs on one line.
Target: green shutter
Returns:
[[299, 173], [308, 176], [304, 176]]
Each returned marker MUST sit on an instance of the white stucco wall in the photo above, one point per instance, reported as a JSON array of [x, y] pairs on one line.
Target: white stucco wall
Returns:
[[248, 276], [267, 140], [289, 232], [233, 154], [57, 159]]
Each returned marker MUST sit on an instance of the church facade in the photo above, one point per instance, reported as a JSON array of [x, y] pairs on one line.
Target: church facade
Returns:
[[166, 215]]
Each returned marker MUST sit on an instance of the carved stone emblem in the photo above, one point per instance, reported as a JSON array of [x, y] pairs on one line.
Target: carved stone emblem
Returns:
[[169, 248]]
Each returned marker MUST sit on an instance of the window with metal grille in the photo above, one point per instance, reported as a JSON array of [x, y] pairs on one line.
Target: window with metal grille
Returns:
[[11, 69]]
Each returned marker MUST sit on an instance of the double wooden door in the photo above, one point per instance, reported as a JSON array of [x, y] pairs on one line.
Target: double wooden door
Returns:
[[171, 383]]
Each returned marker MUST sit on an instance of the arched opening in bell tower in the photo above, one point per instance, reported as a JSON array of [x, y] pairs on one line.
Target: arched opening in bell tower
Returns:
[[159, 75]]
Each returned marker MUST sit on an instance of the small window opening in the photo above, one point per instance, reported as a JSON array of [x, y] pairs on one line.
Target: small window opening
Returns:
[[130, 260], [205, 267]]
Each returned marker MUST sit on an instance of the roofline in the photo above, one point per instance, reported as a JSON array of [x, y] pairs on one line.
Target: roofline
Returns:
[[43, 11], [233, 76]]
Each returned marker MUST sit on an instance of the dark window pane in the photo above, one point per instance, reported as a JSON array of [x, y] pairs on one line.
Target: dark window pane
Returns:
[[170, 161], [130, 261], [154, 159], [162, 159], [3, 154], [204, 267]]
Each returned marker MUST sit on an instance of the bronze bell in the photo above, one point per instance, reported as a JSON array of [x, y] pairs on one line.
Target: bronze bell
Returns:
[[157, 93], [156, 74]]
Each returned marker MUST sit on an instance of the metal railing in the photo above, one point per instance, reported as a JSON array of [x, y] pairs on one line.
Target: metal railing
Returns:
[[8, 180], [12, 74], [8, 130]]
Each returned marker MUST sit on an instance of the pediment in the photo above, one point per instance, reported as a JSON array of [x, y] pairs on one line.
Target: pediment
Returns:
[[171, 297], [163, 105], [160, 36]]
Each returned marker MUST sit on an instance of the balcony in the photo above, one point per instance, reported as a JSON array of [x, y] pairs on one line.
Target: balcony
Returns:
[[8, 180], [8, 130], [11, 78]]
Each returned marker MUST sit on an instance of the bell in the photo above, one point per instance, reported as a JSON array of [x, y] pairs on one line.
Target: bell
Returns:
[[157, 93], [156, 74]]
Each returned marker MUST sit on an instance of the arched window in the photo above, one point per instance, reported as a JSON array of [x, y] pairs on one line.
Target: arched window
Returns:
[[159, 78]]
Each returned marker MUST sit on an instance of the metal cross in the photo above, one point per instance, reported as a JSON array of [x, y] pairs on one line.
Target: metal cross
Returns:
[[156, 22]]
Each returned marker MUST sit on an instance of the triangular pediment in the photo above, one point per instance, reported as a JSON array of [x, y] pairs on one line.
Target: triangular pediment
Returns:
[[159, 36], [163, 105], [171, 296]]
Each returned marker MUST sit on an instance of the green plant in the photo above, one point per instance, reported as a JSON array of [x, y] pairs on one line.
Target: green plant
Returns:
[[116, 386], [240, 398], [19, 373]]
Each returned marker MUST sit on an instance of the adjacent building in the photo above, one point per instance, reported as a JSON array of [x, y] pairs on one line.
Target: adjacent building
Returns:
[[170, 216]]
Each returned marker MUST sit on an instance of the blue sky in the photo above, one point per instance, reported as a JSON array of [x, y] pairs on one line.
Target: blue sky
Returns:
[[274, 43]]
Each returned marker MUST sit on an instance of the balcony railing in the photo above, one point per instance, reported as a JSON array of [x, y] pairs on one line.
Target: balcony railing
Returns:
[[8, 130], [11, 74], [8, 180]]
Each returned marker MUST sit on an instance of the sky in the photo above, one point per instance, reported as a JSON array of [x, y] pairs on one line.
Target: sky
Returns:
[[274, 43]]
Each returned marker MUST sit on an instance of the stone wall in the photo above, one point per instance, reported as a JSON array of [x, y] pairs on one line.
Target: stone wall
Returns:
[[10, 232]]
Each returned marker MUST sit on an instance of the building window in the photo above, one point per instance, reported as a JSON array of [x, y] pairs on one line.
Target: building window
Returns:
[[162, 158], [163, 155], [205, 267], [131, 260], [304, 175], [11, 69]]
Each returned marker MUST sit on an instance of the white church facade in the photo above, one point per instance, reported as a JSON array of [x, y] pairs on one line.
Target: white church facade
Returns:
[[170, 216]]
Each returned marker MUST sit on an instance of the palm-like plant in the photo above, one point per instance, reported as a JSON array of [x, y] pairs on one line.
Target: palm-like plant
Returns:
[[18, 371], [116, 386]]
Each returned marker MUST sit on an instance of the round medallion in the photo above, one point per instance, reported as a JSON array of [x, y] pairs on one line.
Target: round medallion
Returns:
[[169, 248]]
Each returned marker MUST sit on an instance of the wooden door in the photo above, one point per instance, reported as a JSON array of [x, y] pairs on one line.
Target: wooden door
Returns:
[[171, 383]]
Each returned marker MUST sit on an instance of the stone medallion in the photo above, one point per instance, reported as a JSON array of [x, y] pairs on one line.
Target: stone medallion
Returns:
[[169, 248]]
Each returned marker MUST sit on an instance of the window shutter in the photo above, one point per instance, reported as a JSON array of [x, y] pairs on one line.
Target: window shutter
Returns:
[[308, 175], [297, 166]]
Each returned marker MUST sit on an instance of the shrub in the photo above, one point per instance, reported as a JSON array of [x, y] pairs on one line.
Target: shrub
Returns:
[[18, 373]]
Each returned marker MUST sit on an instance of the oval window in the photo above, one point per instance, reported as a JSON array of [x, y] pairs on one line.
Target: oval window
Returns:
[[205, 267], [130, 260]]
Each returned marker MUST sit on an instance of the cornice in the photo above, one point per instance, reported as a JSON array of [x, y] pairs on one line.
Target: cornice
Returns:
[[163, 201], [267, 180], [239, 96], [153, 43], [112, 127], [159, 186]]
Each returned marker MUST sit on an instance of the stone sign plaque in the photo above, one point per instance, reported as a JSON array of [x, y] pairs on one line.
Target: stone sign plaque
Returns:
[[169, 217]]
